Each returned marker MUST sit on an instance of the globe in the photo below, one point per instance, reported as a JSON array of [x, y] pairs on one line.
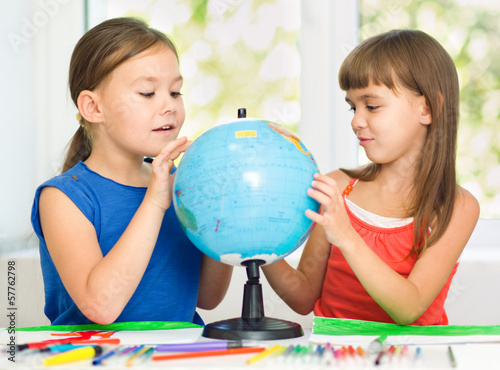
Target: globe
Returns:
[[240, 192]]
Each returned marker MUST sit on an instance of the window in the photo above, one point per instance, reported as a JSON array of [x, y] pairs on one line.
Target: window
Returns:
[[302, 42], [232, 54], [277, 58]]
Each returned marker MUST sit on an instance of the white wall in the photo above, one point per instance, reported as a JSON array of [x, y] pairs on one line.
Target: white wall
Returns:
[[18, 124]]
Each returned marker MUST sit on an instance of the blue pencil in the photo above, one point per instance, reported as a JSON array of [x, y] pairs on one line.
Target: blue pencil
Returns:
[[118, 354], [99, 360], [418, 354]]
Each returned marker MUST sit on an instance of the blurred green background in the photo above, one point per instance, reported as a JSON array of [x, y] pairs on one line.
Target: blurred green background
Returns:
[[245, 53], [470, 31]]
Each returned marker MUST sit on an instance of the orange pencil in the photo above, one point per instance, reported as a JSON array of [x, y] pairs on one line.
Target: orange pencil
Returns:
[[361, 352], [217, 352]]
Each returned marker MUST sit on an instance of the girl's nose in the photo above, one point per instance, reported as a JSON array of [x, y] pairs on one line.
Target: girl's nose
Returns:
[[169, 105], [357, 122]]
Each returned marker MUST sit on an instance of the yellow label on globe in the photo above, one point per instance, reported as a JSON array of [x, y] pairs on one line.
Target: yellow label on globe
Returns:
[[246, 133]]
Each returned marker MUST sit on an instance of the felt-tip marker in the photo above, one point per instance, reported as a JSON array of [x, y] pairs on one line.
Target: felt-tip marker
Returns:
[[78, 354], [51, 342], [61, 347], [377, 345]]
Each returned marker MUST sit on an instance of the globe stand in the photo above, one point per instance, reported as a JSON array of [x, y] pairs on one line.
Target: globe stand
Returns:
[[252, 324]]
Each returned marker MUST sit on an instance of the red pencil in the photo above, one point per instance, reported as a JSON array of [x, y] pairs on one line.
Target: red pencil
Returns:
[[217, 352]]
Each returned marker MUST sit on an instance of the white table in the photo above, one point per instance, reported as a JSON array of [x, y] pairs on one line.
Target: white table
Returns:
[[433, 356]]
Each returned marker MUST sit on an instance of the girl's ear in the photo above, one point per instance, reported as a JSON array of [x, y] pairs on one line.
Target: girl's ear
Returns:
[[425, 113], [88, 105]]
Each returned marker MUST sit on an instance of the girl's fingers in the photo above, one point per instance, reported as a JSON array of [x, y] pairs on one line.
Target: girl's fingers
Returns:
[[319, 196], [313, 216], [164, 155], [325, 184], [326, 179], [172, 150], [325, 191], [180, 149]]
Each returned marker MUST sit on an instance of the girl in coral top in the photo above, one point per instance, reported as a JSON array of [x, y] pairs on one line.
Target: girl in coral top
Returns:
[[386, 244]]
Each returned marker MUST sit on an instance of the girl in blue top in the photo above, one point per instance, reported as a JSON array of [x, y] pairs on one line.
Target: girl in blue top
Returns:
[[111, 246]]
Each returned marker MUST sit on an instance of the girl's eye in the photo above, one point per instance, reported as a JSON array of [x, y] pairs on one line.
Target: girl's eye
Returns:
[[352, 109], [148, 95], [175, 94], [371, 107]]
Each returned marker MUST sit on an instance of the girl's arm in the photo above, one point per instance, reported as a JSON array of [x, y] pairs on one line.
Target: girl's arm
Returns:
[[300, 288], [215, 277], [102, 286], [403, 299]]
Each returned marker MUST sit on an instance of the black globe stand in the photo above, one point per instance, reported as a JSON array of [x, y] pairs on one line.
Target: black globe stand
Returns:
[[253, 324]]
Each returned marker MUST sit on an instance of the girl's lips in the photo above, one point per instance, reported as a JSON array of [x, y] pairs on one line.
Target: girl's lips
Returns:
[[363, 141], [163, 132], [165, 129]]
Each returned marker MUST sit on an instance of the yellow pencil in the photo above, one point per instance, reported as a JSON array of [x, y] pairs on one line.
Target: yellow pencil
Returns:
[[130, 361], [263, 354], [279, 351]]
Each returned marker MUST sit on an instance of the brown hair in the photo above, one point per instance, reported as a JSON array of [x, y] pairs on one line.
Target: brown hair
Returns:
[[100, 51], [416, 61]]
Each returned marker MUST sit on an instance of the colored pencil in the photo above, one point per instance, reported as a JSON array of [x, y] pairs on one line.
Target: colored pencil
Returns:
[[218, 352], [101, 358], [263, 354], [453, 361], [198, 346], [136, 354]]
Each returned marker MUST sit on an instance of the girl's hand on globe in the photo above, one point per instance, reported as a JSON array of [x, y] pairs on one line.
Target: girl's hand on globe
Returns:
[[160, 185], [334, 219]]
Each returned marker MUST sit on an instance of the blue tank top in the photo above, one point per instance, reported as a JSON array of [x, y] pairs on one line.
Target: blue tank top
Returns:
[[168, 290]]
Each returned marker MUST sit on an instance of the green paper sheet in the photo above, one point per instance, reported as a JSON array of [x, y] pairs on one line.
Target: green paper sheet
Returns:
[[331, 326], [136, 325]]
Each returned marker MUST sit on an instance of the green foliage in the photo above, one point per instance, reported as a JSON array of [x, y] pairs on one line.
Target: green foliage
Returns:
[[199, 10], [224, 46]]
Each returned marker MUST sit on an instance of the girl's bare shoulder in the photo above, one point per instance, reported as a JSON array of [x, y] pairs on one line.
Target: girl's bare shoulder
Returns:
[[465, 201]]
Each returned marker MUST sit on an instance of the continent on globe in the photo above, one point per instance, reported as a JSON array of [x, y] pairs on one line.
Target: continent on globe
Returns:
[[240, 192]]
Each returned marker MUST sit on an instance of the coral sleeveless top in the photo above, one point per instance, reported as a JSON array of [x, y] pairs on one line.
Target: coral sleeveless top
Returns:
[[343, 296]]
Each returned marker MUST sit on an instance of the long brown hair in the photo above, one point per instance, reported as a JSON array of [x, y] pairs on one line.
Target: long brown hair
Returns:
[[416, 61], [100, 51]]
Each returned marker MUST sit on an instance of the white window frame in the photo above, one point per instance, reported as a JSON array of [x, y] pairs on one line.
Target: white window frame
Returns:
[[329, 30]]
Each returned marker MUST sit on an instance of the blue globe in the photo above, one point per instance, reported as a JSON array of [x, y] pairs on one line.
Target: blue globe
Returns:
[[240, 192]]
